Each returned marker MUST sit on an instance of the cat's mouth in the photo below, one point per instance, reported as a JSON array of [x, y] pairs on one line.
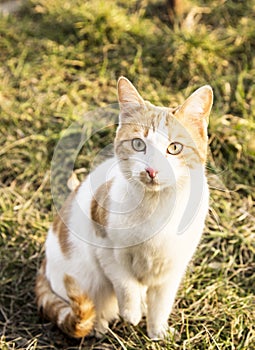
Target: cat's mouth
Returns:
[[151, 183]]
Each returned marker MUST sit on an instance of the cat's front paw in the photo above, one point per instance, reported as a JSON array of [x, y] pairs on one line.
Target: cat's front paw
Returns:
[[158, 333], [131, 316]]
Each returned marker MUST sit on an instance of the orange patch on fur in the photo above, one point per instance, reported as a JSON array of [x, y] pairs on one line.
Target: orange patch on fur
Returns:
[[98, 208], [146, 132], [80, 321], [60, 224]]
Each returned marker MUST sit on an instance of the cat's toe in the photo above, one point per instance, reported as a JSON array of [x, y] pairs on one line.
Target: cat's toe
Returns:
[[101, 328], [132, 317], [161, 333], [157, 333]]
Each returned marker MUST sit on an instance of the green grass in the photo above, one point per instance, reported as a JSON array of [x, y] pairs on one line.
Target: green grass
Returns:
[[60, 59]]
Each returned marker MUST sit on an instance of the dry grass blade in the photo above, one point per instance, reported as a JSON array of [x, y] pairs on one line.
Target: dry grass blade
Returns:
[[60, 59]]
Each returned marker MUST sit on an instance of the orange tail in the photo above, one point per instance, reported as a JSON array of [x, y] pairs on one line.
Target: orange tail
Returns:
[[76, 317]]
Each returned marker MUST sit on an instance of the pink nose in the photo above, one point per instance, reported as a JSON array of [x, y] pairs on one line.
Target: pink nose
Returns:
[[151, 172]]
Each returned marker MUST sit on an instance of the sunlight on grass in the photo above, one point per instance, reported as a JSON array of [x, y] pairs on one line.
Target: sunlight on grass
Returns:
[[60, 59]]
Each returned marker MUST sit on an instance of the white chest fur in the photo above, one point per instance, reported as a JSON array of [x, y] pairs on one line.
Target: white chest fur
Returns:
[[155, 238]]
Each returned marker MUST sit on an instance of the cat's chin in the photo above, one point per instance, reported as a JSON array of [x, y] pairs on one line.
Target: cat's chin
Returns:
[[138, 184], [153, 186], [149, 184]]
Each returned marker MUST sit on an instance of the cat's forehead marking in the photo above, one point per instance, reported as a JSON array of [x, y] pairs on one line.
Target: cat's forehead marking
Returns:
[[163, 124], [160, 120], [146, 131]]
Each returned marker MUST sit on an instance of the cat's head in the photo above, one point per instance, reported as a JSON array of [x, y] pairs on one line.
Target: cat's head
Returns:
[[158, 146]]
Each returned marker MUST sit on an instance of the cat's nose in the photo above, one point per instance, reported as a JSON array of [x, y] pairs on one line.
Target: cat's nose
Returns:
[[151, 172]]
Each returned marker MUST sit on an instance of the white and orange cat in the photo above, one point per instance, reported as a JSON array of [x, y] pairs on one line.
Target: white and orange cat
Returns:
[[122, 241]]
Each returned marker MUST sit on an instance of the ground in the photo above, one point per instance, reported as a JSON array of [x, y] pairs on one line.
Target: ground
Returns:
[[60, 59]]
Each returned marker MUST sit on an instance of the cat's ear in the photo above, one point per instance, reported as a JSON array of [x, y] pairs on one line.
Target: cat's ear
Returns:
[[127, 94], [198, 105]]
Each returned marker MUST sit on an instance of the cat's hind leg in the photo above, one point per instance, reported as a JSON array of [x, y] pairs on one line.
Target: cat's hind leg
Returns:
[[106, 309]]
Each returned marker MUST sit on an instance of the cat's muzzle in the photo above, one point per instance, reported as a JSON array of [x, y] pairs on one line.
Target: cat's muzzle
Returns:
[[151, 182]]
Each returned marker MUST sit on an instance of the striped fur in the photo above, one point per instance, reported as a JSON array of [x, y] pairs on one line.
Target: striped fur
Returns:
[[76, 316]]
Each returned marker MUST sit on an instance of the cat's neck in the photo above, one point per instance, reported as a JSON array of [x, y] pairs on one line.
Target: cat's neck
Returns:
[[141, 213]]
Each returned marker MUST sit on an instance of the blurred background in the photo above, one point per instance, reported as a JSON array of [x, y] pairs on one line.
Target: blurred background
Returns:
[[61, 59]]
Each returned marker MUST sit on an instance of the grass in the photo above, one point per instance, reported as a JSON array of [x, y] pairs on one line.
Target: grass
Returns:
[[60, 59]]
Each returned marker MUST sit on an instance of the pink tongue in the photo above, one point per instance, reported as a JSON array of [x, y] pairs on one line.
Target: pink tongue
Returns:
[[152, 173]]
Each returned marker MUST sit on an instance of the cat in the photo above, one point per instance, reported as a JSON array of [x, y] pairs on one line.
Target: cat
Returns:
[[124, 237]]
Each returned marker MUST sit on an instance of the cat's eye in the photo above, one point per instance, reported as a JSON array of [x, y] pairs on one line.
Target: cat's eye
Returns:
[[174, 148], [138, 145]]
